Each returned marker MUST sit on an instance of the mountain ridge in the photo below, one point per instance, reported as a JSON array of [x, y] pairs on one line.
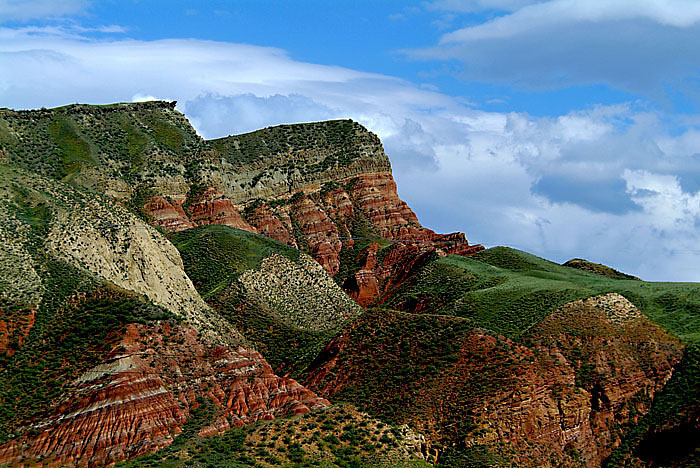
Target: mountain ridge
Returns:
[[287, 181]]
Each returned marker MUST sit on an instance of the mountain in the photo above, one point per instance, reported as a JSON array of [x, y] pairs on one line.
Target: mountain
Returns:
[[267, 299], [308, 185]]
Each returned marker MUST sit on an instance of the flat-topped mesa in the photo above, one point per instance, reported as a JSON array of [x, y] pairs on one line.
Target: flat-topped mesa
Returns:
[[279, 161], [88, 109]]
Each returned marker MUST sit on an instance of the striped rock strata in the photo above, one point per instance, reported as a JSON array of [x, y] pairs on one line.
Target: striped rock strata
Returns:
[[138, 399]]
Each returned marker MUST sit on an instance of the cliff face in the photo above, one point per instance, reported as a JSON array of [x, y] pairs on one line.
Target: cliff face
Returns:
[[323, 221], [605, 363], [312, 186], [143, 394]]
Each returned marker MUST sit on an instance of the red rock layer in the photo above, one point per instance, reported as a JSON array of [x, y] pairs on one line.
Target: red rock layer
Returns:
[[210, 208], [214, 208], [268, 223], [364, 286], [340, 208], [319, 231], [323, 219], [339, 203], [376, 194], [137, 401], [171, 216], [127, 414]]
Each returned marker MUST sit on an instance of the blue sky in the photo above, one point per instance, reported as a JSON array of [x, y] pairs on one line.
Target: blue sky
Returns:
[[568, 128]]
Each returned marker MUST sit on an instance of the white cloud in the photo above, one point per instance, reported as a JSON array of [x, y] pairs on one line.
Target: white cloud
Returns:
[[559, 13], [609, 183], [143, 98], [662, 198], [51, 67], [23, 10], [490, 174]]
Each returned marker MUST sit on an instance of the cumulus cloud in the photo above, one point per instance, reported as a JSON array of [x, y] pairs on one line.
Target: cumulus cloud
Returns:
[[594, 184], [638, 46], [23, 10], [609, 183]]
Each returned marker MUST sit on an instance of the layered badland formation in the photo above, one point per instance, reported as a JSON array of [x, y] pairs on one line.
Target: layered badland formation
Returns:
[[268, 299]]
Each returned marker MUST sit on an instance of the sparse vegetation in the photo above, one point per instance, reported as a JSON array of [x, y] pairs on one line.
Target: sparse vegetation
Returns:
[[597, 268], [350, 441], [289, 332]]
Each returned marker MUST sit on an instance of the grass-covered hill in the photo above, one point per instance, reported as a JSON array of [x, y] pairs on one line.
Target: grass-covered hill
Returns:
[[105, 147], [509, 291], [339, 437], [131, 149]]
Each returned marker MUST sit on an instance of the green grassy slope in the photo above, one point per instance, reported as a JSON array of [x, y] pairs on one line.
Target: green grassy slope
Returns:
[[509, 291], [215, 258]]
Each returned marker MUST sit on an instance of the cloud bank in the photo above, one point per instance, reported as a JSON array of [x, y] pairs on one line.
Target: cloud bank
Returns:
[[648, 47]]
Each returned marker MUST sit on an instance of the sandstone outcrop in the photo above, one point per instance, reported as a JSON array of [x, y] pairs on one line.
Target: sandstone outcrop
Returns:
[[599, 364], [99, 236], [319, 232], [110, 242], [213, 208], [272, 224], [169, 215]]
